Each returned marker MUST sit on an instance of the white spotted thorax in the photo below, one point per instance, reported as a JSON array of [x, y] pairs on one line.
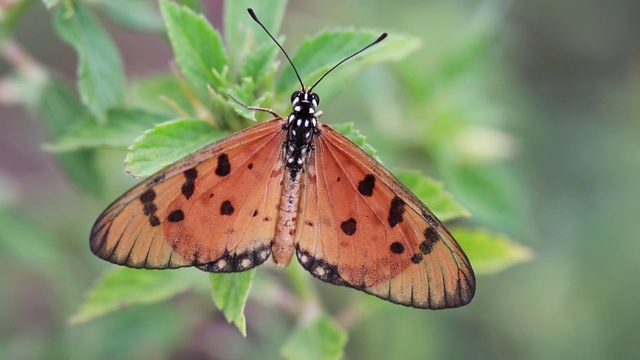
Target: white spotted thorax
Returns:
[[302, 127]]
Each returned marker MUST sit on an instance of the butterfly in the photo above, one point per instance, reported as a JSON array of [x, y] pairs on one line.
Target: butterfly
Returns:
[[284, 186]]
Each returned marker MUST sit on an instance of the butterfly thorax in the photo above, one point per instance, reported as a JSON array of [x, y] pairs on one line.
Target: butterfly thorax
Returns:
[[302, 127]]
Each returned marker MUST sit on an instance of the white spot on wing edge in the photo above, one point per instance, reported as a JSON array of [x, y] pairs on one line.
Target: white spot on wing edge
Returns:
[[221, 264], [245, 263], [263, 255], [320, 271]]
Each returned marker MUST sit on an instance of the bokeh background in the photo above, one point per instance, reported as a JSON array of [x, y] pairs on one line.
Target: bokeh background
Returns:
[[554, 87]]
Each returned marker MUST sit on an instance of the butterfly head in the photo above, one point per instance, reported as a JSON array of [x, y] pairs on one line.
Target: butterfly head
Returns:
[[305, 104], [302, 123]]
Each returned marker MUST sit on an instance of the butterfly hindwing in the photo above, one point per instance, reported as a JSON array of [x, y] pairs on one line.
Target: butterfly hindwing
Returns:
[[360, 227], [213, 209]]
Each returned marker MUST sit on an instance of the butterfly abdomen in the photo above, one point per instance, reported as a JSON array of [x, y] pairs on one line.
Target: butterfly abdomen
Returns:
[[283, 244]]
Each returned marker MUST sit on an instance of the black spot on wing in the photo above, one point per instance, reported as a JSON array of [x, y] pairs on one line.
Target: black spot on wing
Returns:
[[154, 221], [366, 185], [396, 248], [396, 211], [156, 180], [417, 258], [431, 237], [224, 167], [426, 247], [176, 216], [430, 220], [189, 185], [149, 208], [148, 196], [349, 226], [226, 208]]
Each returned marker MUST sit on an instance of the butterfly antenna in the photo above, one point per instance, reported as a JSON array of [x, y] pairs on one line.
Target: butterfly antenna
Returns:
[[255, 18], [380, 38]]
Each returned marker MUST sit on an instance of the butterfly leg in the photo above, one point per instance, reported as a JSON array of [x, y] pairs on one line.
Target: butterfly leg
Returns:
[[254, 108]]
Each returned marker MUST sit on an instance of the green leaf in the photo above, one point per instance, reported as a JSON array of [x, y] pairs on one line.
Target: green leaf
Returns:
[[137, 15], [321, 52], [260, 65], [124, 287], [100, 73], [488, 252], [354, 135], [167, 143], [230, 293], [432, 193], [59, 109], [242, 34], [124, 126], [26, 241], [245, 93], [160, 94], [57, 106], [322, 339], [197, 46], [10, 16], [192, 4], [490, 191]]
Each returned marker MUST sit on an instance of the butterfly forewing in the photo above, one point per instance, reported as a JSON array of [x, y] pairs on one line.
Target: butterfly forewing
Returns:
[[215, 209], [360, 227]]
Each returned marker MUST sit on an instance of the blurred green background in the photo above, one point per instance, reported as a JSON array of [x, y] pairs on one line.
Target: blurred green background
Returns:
[[551, 158]]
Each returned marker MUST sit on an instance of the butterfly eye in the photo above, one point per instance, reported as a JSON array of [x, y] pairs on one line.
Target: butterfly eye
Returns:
[[315, 97], [296, 94]]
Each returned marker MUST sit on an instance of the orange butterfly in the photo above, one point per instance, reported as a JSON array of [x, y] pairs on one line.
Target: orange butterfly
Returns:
[[289, 184]]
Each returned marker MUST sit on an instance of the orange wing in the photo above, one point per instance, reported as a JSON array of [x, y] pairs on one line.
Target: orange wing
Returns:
[[360, 227], [214, 209]]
